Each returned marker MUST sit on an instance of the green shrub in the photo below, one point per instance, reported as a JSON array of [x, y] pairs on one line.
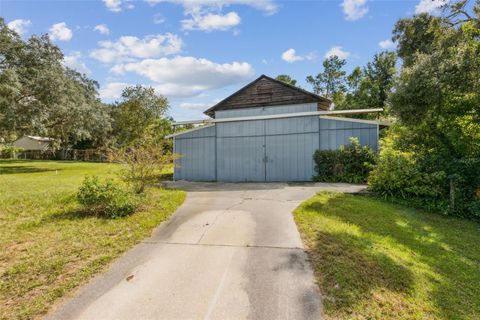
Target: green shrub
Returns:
[[9, 152], [106, 198], [426, 179], [397, 174], [465, 178], [350, 163], [142, 164]]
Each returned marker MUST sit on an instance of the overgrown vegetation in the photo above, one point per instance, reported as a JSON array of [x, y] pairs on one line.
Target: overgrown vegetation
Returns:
[[437, 103], [397, 175], [350, 163], [9, 152], [49, 245], [432, 155], [377, 260], [106, 198], [142, 164]]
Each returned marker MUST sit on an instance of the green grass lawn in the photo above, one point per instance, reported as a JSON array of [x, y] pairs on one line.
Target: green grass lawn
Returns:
[[377, 260], [48, 247]]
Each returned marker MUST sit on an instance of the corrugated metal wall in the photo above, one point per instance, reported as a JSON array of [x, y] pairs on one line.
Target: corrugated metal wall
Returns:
[[264, 150], [197, 155], [335, 133], [240, 151], [290, 144]]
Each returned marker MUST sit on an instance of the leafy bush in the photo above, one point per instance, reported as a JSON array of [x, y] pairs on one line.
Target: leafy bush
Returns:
[[350, 163], [464, 175], [9, 152], [397, 174], [426, 179], [143, 163], [106, 198]]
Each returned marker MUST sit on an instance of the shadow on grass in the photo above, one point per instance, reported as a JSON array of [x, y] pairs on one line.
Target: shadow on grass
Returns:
[[350, 271], [166, 176], [22, 169], [76, 214], [443, 249]]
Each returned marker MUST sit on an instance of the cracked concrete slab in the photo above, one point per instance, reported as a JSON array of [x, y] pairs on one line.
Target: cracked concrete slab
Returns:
[[231, 251]]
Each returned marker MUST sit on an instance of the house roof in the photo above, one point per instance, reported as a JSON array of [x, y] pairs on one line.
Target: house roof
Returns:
[[42, 139], [266, 91]]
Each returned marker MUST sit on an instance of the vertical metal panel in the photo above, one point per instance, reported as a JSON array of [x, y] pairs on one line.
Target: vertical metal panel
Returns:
[[197, 155], [291, 125], [241, 151], [290, 144], [290, 156], [241, 128], [240, 159], [335, 133]]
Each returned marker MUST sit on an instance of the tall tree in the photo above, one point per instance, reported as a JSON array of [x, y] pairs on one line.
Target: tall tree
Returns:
[[287, 79], [354, 79], [416, 35], [370, 87], [437, 97], [140, 108], [39, 96], [330, 83], [379, 78]]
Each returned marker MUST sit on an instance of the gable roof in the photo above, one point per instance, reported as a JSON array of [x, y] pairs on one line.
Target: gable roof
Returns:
[[266, 91]]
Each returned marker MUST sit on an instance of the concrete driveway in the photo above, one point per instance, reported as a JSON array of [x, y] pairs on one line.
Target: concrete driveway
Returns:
[[231, 251]]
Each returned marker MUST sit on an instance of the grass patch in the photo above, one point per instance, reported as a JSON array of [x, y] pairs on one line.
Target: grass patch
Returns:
[[49, 246], [378, 260]]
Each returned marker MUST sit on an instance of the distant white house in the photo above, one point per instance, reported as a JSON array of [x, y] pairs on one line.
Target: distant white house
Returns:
[[33, 143]]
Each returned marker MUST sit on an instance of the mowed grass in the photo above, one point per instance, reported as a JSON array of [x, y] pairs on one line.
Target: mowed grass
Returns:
[[377, 260], [47, 246]]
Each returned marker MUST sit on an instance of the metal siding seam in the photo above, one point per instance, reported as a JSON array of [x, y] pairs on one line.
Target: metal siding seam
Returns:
[[265, 149], [174, 161], [215, 154]]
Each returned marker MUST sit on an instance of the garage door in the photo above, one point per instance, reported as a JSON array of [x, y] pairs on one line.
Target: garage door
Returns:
[[267, 150], [290, 144], [241, 151]]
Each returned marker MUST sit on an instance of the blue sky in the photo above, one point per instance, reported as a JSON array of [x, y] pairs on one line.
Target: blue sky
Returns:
[[197, 52]]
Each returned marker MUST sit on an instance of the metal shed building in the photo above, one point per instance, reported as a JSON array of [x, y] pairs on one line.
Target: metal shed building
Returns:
[[266, 131]]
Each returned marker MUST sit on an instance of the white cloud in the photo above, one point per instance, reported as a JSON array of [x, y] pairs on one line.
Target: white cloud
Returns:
[[354, 9], [112, 90], [194, 106], [113, 5], [19, 25], [206, 15], [102, 29], [60, 31], [337, 51], [291, 56], [187, 76], [73, 61], [387, 44], [158, 18], [267, 6], [118, 5], [429, 6], [210, 21], [127, 48]]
